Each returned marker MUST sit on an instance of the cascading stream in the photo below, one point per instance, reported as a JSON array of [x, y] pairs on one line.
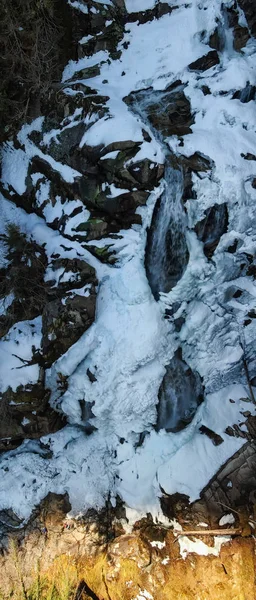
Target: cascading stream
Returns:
[[166, 255], [166, 259]]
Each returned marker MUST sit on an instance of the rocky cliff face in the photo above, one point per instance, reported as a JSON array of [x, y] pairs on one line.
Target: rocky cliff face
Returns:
[[127, 275]]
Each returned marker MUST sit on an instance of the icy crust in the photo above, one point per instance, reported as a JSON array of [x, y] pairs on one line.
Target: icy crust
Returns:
[[130, 343]]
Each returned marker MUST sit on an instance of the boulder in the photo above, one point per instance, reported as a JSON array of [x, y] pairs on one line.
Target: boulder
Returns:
[[180, 393], [205, 62], [168, 111], [212, 227], [249, 8], [241, 34]]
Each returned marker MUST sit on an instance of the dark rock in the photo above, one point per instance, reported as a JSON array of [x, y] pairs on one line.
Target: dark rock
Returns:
[[64, 321], [109, 39], [146, 172], [173, 505], [214, 437], [205, 62], [26, 414], [169, 111], [24, 278], [241, 37], [206, 90], [212, 227], [80, 273], [246, 95], [249, 8], [91, 376], [233, 247], [188, 191], [161, 9], [241, 34], [180, 394], [249, 156], [94, 229], [216, 40], [9, 519], [196, 162], [235, 483]]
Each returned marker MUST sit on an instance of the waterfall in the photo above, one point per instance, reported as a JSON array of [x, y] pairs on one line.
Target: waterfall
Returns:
[[166, 259], [166, 255]]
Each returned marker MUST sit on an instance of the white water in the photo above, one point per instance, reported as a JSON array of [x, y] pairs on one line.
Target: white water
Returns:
[[167, 251]]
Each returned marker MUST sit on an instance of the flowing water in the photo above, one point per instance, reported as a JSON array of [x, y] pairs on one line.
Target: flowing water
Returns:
[[166, 255], [166, 259]]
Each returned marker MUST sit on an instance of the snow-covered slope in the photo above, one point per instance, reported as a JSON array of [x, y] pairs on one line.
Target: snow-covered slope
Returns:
[[117, 365]]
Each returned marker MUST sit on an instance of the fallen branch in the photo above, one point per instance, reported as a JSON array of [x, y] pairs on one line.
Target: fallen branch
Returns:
[[207, 532]]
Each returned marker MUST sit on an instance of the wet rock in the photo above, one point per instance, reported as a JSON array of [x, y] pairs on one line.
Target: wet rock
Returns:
[[241, 34], [169, 111], [196, 162], [205, 62], [180, 394], [212, 227], [215, 40], [246, 94], [241, 37], [166, 253]]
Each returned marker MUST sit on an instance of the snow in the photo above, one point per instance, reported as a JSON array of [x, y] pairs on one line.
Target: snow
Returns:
[[14, 167], [198, 547], [144, 595], [130, 343], [15, 349], [79, 6], [157, 544], [139, 5], [5, 303], [228, 519]]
